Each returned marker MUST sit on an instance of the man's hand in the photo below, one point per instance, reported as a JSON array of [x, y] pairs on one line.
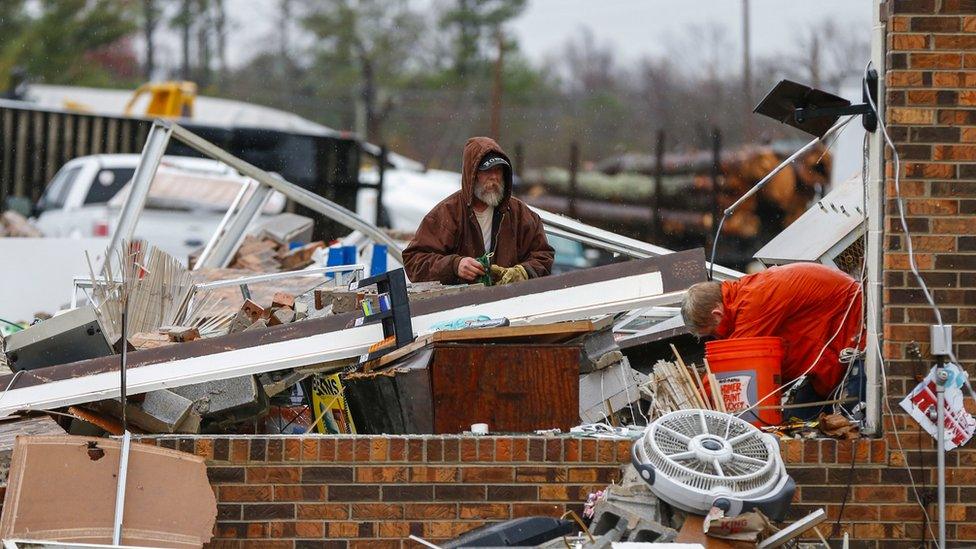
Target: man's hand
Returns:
[[508, 275], [469, 269]]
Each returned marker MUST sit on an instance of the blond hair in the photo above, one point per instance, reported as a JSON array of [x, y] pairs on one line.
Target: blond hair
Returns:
[[696, 309]]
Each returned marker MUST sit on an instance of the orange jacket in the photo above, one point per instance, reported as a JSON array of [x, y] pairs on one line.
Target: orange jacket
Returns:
[[803, 303]]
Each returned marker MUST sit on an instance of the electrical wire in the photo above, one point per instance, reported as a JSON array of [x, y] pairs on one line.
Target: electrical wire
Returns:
[[894, 427]]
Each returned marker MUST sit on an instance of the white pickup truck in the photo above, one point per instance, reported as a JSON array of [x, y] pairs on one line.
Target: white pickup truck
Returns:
[[186, 201]]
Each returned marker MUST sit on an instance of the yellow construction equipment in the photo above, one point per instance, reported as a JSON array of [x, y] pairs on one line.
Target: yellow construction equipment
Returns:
[[172, 99]]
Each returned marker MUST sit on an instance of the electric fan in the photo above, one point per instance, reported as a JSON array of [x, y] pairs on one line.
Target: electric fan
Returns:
[[697, 459]]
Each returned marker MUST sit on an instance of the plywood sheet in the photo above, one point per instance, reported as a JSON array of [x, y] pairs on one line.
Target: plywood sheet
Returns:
[[63, 488], [512, 388]]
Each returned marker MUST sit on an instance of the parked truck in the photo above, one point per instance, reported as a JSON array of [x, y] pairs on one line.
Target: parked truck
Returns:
[[186, 200]]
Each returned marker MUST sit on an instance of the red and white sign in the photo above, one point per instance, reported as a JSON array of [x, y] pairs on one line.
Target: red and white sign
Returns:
[[959, 424]]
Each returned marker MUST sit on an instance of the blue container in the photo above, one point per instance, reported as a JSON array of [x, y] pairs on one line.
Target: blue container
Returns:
[[378, 264]]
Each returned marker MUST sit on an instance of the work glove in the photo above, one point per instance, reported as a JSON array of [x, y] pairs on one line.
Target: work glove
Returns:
[[507, 275]]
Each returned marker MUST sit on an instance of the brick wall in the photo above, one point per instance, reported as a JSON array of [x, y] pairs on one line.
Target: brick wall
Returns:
[[369, 491], [931, 117]]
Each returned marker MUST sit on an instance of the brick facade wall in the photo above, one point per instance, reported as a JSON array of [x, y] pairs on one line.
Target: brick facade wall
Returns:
[[370, 491], [931, 117]]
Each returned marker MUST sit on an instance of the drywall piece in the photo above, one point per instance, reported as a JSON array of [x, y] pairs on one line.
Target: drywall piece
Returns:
[[571, 296], [51, 474], [616, 384]]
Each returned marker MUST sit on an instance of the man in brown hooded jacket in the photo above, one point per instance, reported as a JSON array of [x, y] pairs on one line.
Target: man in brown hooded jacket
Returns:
[[482, 216]]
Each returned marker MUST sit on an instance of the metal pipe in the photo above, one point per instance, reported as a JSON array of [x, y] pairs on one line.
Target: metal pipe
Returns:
[[152, 154], [874, 392], [225, 243], [223, 224], [298, 194], [357, 267], [577, 231], [941, 377], [789, 160], [120, 488]]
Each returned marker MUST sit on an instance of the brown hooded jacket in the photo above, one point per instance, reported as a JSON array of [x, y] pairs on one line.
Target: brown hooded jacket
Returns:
[[450, 231]]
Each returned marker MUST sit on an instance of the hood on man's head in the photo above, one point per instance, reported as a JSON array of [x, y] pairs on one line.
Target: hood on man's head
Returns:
[[477, 152]]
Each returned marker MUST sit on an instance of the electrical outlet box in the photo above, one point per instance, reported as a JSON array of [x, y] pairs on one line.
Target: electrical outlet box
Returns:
[[941, 339]]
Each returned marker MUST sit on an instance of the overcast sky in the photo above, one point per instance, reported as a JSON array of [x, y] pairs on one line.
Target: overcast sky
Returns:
[[634, 28]]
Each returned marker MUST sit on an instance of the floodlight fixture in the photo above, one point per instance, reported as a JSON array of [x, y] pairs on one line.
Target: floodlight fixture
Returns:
[[816, 111]]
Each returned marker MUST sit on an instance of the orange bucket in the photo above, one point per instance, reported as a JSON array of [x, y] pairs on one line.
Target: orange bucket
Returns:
[[748, 369]]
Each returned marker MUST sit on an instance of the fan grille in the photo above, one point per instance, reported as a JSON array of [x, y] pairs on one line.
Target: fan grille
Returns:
[[670, 446]]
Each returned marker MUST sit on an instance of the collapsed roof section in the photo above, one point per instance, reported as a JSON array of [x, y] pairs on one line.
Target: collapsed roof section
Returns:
[[824, 232], [609, 289]]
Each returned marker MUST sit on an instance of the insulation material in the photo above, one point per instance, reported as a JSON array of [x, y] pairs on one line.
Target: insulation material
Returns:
[[53, 474], [615, 387]]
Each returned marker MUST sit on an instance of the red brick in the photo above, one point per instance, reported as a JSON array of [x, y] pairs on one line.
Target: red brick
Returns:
[[954, 152], [503, 449], [204, 448], [293, 449], [378, 449], [258, 530], [571, 447], [909, 41], [251, 493], [299, 493], [429, 511], [327, 449], [956, 225], [900, 512], [361, 447], [239, 451], [381, 474], [310, 449], [486, 449], [345, 450], [964, 477], [487, 474], [854, 512], [935, 60], [880, 494], [588, 453], [931, 206], [911, 116], [322, 511], [376, 511], [273, 475], [904, 79], [434, 474], [343, 530], [415, 450], [435, 449], [469, 449], [484, 511], [398, 449], [520, 449], [954, 42], [400, 530]]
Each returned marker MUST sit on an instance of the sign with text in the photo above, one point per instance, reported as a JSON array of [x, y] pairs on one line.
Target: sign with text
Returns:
[[959, 424]]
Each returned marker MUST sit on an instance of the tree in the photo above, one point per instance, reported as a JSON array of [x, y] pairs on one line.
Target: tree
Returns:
[[476, 23], [366, 44], [53, 43]]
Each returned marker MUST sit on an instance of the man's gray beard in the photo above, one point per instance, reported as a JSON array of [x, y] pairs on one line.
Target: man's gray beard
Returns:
[[492, 198]]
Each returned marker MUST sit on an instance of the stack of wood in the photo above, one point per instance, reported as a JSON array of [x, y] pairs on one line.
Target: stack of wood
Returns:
[[674, 386], [265, 255], [14, 224]]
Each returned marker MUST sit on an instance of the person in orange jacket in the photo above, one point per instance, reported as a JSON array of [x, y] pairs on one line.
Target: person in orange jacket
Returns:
[[815, 309]]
